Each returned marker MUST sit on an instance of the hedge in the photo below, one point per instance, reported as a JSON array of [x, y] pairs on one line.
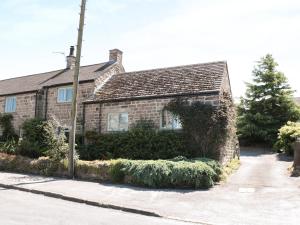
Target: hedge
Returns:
[[134, 144], [176, 173], [165, 173]]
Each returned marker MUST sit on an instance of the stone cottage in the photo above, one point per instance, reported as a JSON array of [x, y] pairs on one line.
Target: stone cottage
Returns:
[[49, 95], [110, 99]]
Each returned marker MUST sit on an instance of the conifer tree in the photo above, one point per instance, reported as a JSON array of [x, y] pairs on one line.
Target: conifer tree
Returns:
[[268, 104]]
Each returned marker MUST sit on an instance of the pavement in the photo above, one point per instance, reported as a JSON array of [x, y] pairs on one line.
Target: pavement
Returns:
[[260, 192]]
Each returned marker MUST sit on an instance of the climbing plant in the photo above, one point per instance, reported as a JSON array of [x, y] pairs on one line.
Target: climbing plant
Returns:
[[205, 126]]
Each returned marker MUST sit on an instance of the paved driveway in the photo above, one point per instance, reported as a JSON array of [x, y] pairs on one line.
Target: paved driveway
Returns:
[[261, 192]]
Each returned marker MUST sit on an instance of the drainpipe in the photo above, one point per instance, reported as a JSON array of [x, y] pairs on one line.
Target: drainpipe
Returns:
[[35, 104], [100, 112], [83, 123], [46, 103]]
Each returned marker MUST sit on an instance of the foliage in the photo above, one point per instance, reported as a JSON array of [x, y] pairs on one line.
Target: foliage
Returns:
[[205, 126], [142, 141], [165, 173], [43, 138], [197, 173], [8, 131], [9, 146], [268, 104], [287, 136]]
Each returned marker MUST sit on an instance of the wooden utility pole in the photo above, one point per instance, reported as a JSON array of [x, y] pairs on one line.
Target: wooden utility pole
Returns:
[[75, 87]]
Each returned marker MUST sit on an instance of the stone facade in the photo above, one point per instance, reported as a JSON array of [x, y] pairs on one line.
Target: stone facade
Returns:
[[96, 114], [61, 112], [96, 117], [25, 108], [106, 91]]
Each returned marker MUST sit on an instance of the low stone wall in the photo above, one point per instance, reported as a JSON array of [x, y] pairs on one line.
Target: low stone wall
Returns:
[[94, 170]]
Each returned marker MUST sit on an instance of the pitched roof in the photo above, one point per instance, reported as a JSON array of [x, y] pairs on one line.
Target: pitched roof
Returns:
[[181, 80], [86, 73], [58, 77], [24, 84]]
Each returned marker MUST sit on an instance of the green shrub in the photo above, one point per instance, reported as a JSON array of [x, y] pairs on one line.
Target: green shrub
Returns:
[[9, 146], [142, 141], [8, 131], [195, 173], [287, 136], [43, 138], [165, 173], [116, 171]]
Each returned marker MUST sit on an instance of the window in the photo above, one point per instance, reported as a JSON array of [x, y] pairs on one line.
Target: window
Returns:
[[10, 104], [117, 122], [170, 121], [65, 94]]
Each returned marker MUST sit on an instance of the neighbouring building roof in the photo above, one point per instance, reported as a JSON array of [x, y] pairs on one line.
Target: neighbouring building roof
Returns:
[[181, 80], [59, 77]]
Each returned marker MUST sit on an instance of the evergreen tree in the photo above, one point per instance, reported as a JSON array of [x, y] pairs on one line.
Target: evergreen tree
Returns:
[[268, 104]]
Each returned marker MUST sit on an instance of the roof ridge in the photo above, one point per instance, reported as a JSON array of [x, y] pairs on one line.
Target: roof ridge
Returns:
[[35, 74], [52, 71], [174, 67]]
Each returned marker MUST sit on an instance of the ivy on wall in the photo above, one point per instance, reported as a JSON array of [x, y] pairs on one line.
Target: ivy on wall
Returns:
[[205, 126]]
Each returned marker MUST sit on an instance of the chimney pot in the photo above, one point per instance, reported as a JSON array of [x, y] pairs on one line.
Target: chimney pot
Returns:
[[72, 51], [71, 59]]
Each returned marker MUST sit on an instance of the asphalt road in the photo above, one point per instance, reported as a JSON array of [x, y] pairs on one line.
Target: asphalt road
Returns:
[[24, 208], [261, 192]]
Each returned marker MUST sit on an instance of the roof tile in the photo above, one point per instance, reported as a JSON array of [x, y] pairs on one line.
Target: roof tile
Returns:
[[189, 79]]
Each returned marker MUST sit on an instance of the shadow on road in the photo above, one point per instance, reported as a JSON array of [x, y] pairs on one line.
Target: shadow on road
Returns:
[[255, 151], [140, 189], [285, 158]]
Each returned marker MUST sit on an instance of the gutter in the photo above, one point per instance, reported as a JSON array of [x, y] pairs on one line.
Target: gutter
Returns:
[[202, 93], [18, 93]]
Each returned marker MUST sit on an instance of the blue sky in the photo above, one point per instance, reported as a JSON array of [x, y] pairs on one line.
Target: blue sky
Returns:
[[152, 33]]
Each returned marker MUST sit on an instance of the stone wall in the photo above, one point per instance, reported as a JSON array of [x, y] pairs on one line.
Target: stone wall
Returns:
[[92, 117], [101, 80], [62, 111], [25, 108], [96, 114]]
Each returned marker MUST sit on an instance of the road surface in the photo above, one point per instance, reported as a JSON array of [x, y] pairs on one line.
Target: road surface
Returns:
[[24, 208]]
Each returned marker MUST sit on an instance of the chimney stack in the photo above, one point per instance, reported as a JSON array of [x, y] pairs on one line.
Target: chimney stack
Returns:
[[115, 55], [71, 59]]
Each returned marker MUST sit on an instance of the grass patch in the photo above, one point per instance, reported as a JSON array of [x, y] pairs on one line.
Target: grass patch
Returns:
[[230, 168]]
